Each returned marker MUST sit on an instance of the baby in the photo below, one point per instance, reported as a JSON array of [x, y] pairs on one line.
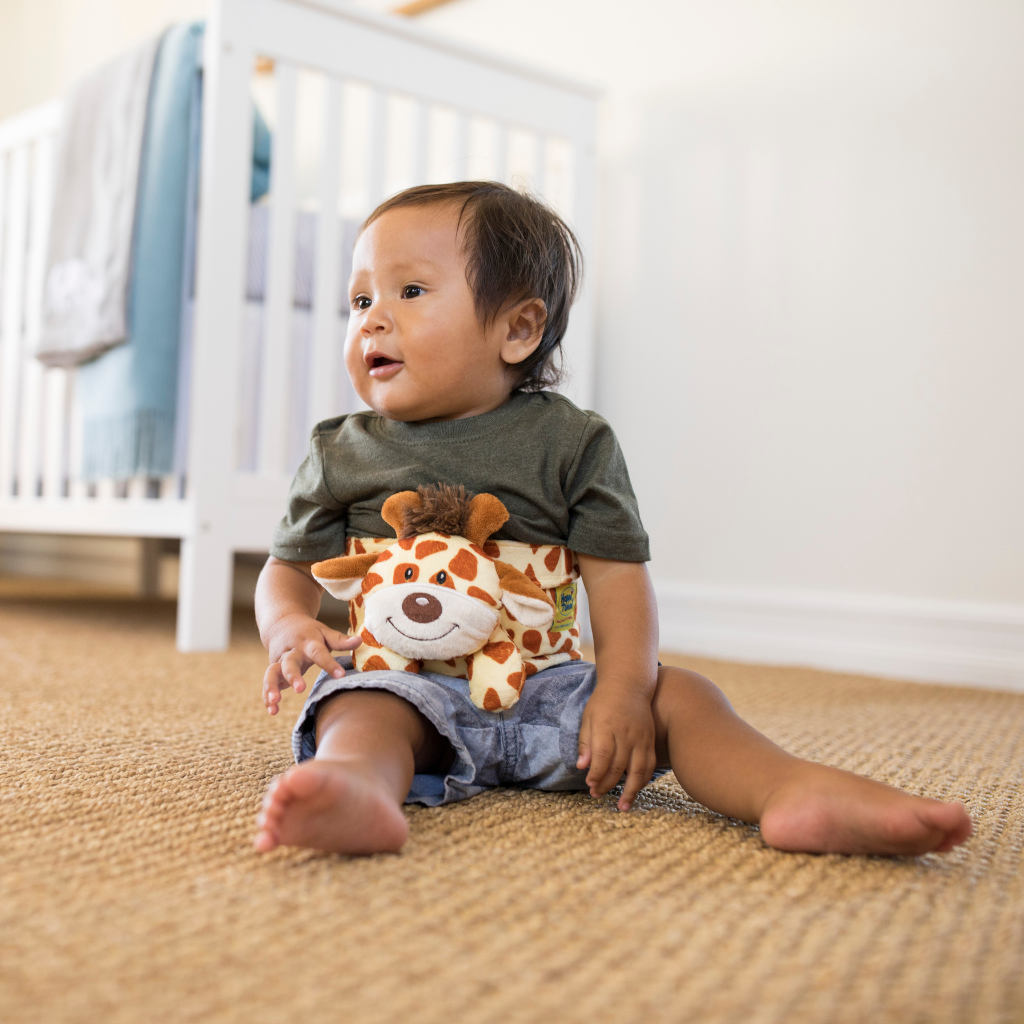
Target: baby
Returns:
[[460, 296]]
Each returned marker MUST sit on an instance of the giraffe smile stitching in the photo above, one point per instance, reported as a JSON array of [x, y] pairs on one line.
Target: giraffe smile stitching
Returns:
[[421, 639]]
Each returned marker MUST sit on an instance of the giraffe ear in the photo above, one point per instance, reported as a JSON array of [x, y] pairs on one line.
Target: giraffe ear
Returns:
[[397, 507], [343, 577], [487, 515], [523, 598]]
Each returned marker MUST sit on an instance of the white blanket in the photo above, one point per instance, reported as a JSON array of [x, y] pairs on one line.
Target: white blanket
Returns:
[[97, 175]]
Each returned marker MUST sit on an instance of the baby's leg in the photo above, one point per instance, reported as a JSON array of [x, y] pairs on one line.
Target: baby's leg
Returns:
[[349, 798], [731, 768]]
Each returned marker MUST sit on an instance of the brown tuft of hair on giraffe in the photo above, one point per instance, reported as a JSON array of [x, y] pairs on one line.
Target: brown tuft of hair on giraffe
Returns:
[[443, 508]]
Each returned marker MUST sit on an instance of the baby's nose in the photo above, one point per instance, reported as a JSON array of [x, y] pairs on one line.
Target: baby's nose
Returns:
[[422, 607]]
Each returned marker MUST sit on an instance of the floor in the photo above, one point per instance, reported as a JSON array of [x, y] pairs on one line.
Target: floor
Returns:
[[130, 776]]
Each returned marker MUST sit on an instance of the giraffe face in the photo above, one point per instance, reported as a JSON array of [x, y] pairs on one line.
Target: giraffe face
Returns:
[[427, 621], [432, 597]]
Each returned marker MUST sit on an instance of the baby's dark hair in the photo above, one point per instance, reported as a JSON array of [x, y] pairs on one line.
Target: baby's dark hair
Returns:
[[516, 248]]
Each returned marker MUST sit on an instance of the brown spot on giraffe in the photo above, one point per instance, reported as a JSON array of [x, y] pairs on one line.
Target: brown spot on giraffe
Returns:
[[492, 702], [532, 640], [375, 664], [370, 640], [464, 564], [481, 595], [402, 568], [406, 543], [430, 547], [491, 549], [500, 651], [371, 580], [516, 680], [384, 555], [358, 546], [551, 559]]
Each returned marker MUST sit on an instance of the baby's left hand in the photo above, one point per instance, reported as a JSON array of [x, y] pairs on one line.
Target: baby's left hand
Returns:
[[616, 736]]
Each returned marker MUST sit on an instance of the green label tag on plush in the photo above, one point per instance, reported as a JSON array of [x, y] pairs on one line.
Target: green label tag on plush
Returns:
[[565, 608]]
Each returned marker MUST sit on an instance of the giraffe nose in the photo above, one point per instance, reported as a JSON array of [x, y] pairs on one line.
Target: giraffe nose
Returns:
[[422, 607]]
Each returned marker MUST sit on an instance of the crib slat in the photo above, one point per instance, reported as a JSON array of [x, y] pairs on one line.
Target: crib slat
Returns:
[[14, 293], [326, 361], [376, 153], [421, 145], [32, 423], [54, 465], [279, 298]]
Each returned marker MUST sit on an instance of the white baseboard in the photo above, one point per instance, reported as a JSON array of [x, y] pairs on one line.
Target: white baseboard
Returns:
[[904, 638]]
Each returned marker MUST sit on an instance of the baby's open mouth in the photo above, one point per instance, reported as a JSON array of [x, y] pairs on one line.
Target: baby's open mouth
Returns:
[[384, 366]]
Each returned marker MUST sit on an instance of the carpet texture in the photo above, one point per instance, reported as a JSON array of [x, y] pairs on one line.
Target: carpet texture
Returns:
[[130, 776]]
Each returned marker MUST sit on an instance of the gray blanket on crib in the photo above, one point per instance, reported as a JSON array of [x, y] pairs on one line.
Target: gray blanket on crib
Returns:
[[93, 211]]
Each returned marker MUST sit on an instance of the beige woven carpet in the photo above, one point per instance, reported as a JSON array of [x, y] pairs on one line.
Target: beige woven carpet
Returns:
[[130, 776]]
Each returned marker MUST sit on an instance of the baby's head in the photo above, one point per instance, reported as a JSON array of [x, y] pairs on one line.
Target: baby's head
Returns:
[[459, 296]]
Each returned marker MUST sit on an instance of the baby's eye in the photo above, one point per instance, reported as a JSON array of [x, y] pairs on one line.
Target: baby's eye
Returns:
[[441, 577], [362, 302], [411, 291]]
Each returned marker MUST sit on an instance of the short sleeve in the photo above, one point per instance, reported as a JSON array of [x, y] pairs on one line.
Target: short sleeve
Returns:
[[313, 528], [604, 519]]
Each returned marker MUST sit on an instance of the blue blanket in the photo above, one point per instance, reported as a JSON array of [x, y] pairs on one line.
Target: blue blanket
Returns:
[[129, 395]]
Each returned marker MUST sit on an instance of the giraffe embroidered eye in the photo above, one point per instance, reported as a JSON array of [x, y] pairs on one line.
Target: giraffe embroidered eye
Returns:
[[409, 573], [441, 577]]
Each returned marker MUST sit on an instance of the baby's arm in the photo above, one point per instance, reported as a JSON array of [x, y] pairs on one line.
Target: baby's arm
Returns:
[[617, 732], [287, 602]]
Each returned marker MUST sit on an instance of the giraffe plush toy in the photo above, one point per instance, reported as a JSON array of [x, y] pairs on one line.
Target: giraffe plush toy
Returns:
[[435, 600]]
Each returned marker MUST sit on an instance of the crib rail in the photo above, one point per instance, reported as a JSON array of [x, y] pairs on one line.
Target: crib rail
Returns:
[[360, 106], [41, 488]]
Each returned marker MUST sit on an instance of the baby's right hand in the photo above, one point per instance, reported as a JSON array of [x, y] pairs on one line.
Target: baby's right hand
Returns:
[[297, 642]]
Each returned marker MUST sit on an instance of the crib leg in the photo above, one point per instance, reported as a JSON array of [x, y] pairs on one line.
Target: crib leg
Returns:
[[204, 595]]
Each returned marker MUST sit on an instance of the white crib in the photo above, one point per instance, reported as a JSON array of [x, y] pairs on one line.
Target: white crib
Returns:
[[363, 106]]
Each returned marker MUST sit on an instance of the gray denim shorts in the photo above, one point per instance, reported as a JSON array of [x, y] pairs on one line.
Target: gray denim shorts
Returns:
[[533, 744]]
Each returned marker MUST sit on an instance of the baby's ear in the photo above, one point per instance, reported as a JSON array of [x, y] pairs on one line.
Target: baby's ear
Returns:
[[487, 515], [397, 507], [523, 598], [343, 577]]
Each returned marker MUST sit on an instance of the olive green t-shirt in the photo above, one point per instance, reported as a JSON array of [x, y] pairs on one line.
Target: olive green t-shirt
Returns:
[[557, 469]]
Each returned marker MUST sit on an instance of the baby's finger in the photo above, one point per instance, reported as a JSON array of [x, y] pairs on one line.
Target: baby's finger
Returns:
[[602, 753], [583, 746], [638, 775], [272, 683], [291, 669], [616, 769], [321, 657], [341, 641]]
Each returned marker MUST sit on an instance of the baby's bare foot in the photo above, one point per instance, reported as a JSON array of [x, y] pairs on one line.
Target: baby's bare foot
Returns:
[[824, 810], [328, 805]]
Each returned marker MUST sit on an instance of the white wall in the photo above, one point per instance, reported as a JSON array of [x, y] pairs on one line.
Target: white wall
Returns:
[[46, 44], [810, 322], [811, 308]]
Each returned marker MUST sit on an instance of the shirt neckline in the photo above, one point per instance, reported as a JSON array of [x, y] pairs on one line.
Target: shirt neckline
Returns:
[[454, 430]]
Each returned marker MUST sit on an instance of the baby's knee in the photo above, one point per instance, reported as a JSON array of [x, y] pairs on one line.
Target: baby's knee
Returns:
[[683, 691]]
